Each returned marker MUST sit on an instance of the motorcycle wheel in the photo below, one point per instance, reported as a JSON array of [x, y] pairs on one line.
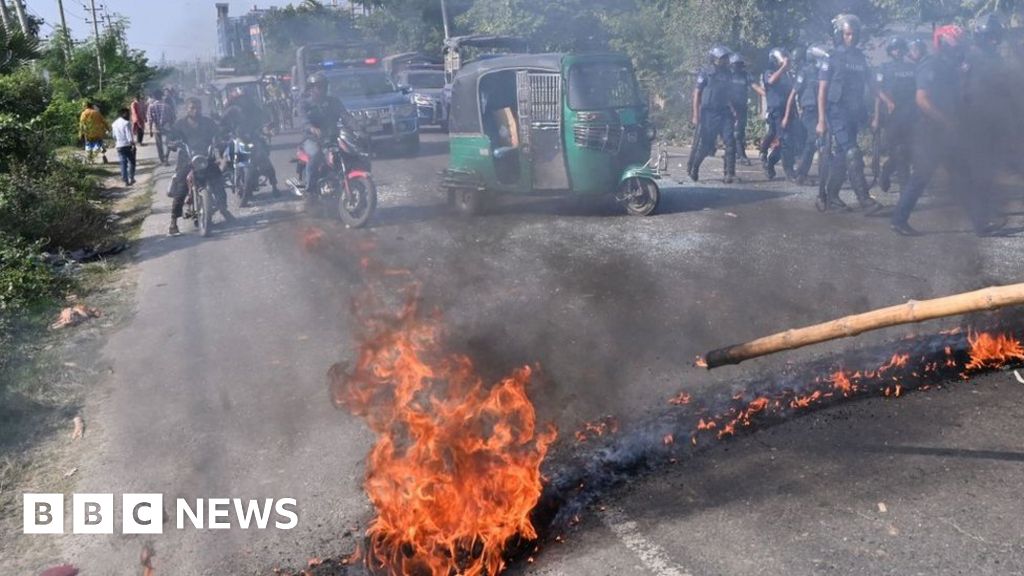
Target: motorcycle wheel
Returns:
[[204, 210], [640, 196], [357, 206]]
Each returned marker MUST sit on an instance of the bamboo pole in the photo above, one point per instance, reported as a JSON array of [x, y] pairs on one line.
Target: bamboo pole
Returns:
[[911, 312]]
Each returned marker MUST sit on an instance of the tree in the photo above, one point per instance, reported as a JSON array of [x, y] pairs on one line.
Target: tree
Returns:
[[16, 49], [286, 29]]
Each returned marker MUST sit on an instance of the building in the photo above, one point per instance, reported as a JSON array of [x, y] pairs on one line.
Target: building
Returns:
[[237, 35]]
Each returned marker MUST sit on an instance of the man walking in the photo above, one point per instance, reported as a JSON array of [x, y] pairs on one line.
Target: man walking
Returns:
[[713, 115], [160, 117], [138, 117], [123, 141], [777, 86], [92, 129], [842, 112]]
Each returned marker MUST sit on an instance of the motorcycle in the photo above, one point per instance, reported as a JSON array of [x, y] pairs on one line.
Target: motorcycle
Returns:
[[243, 170], [199, 203], [343, 180]]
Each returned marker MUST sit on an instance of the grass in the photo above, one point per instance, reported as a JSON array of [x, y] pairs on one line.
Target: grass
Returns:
[[50, 374]]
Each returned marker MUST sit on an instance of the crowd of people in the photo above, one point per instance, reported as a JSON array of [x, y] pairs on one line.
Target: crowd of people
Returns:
[[925, 108]]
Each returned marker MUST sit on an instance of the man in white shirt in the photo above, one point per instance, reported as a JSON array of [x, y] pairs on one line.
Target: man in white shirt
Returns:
[[123, 138]]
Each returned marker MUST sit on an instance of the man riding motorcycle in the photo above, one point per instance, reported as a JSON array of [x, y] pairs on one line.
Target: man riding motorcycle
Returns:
[[322, 112], [199, 133], [246, 120]]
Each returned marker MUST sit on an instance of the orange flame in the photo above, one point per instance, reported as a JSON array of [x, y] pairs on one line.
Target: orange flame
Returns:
[[597, 428], [455, 471], [991, 351], [680, 399]]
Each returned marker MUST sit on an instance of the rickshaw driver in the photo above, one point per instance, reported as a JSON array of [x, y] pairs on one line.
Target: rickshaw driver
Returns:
[[322, 113]]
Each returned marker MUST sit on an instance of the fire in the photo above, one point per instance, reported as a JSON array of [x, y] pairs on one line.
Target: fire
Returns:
[[680, 399], [455, 471], [991, 351], [597, 428], [312, 239]]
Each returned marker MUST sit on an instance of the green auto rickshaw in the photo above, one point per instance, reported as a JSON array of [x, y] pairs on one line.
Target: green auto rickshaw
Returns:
[[550, 123]]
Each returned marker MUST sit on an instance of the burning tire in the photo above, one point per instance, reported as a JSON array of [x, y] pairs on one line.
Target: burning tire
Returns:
[[640, 196]]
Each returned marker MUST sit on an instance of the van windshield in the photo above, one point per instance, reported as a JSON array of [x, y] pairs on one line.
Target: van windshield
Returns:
[[602, 85]]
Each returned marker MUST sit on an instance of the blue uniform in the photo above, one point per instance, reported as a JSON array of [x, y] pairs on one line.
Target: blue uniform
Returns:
[[716, 120], [776, 144], [740, 95], [806, 87], [938, 145], [897, 80], [846, 71]]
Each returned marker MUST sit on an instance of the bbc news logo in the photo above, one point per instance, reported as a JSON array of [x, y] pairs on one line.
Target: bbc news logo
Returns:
[[144, 514]]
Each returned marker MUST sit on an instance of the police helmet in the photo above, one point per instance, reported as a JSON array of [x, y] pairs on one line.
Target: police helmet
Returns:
[[896, 45], [948, 38], [817, 53], [989, 29], [844, 22], [799, 54], [737, 60], [317, 79], [777, 56], [917, 48], [717, 53]]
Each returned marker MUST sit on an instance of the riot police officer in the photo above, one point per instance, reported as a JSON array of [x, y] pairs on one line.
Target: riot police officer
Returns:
[[937, 137], [803, 101], [713, 114], [895, 110], [742, 83], [842, 112], [777, 86]]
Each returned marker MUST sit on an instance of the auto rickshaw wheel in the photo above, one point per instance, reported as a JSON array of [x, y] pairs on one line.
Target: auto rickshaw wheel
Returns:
[[640, 195], [469, 201]]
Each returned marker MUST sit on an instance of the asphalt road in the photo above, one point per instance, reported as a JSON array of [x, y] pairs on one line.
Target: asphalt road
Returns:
[[217, 383]]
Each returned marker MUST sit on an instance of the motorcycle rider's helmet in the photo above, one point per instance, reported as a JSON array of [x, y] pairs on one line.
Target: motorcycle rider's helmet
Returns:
[[777, 56], [719, 55], [317, 79], [844, 23], [988, 30], [896, 47]]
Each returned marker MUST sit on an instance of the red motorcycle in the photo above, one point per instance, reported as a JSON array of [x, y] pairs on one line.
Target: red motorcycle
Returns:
[[343, 181]]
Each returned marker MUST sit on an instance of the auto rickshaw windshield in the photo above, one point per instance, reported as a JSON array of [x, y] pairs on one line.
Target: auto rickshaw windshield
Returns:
[[602, 85]]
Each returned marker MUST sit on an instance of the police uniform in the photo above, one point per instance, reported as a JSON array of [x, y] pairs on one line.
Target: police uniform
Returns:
[[936, 145], [740, 95], [897, 79], [806, 88], [846, 71], [716, 118], [776, 145]]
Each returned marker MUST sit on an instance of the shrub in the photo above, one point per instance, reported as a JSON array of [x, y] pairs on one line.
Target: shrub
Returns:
[[53, 203], [25, 280], [59, 122], [24, 94]]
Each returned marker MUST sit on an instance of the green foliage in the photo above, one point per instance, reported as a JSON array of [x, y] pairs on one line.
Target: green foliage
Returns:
[[25, 280], [53, 202], [16, 49], [24, 94]]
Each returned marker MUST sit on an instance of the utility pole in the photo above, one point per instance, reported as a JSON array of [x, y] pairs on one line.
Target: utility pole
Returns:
[[96, 37], [64, 28], [444, 18], [4, 17], [20, 10]]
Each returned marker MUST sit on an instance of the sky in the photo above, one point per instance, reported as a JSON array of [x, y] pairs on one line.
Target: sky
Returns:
[[180, 29]]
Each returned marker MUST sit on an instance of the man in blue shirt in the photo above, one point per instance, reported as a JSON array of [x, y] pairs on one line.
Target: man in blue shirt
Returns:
[[713, 115]]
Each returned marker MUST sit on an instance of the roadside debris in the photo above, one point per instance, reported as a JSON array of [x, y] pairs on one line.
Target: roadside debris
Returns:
[[1018, 376], [71, 472], [79, 429], [146, 559], [74, 315], [62, 570]]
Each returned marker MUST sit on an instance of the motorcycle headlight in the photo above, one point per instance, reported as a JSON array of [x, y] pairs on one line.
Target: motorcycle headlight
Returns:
[[200, 163], [405, 110]]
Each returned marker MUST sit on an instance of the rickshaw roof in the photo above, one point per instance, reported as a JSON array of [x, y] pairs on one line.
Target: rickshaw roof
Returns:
[[513, 42], [222, 83], [551, 61]]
